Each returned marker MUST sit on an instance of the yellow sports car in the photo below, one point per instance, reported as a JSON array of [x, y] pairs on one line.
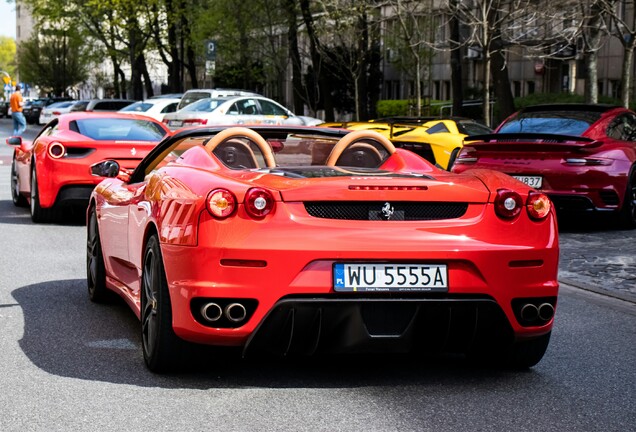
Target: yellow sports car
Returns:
[[436, 140]]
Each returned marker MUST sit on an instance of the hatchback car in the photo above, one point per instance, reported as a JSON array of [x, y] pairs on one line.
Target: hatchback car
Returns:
[[156, 108]]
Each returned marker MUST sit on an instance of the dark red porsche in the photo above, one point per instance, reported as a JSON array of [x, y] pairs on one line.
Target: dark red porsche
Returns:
[[582, 156]]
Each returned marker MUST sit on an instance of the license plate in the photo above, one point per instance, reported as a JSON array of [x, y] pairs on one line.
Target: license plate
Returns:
[[350, 277], [175, 123], [532, 181]]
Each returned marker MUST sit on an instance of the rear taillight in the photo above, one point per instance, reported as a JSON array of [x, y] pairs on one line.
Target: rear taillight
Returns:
[[259, 203], [57, 113], [508, 204], [588, 161], [221, 203], [538, 205], [466, 156], [194, 122], [56, 150]]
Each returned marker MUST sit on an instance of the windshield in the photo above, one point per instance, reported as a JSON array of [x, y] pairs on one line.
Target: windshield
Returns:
[[562, 122], [203, 105], [191, 97], [137, 107], [107, 129]]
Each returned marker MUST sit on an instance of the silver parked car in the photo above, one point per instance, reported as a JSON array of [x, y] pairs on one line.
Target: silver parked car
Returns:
[[245, 110]]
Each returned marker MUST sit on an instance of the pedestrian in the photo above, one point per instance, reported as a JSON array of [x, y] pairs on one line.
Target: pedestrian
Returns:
[[17, 102]]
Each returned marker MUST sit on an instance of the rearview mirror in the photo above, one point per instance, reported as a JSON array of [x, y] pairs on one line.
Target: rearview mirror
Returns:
[[108, 168]]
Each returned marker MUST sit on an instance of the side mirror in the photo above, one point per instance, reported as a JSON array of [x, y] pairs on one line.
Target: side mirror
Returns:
[[108, 168], [14, 141]]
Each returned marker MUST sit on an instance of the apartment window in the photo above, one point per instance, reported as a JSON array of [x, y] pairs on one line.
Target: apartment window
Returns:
[[601, 88], [531, 87], [616, 88], [517, 88]]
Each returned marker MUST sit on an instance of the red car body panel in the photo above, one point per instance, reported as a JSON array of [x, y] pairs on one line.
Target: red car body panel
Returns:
[[290, 254], [74, 168], [601, 183]]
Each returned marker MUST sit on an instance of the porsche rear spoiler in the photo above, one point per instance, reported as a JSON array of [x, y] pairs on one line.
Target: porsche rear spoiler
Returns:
[[524, 140]]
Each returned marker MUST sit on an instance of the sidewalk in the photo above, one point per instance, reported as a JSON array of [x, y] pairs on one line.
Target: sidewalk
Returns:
[[602, 261]]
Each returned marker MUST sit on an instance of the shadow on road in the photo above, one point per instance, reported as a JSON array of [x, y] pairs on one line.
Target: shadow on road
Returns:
[[67, 335], [12, 215]]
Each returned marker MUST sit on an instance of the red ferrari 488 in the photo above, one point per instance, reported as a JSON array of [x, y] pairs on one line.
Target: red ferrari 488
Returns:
[[303, 240], [58, 170]]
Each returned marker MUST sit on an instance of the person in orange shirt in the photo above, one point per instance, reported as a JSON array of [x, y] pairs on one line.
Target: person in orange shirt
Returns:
[[17, 102]]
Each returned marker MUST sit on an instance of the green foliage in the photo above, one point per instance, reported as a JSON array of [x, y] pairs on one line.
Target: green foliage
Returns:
[[555, 98], [55, 61], [7, 55], [406, 107]]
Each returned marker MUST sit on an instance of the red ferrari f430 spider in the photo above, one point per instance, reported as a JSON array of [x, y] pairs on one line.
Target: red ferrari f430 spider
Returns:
[[57, 170], [301, 240]]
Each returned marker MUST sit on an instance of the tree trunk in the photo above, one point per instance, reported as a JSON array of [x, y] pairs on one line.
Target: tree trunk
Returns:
[[294, 55], [501, 85], [324, 87], [626, 73], [457, 87]]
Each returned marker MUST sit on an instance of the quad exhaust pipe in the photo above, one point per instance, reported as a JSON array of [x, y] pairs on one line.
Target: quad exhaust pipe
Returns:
[[530, 312], [233, 312], [211, 312]]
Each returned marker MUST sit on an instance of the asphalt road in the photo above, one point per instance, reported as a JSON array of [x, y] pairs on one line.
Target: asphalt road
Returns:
[[70, 365]]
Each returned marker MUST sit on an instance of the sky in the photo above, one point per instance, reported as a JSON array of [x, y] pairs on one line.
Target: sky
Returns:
[[7, 18]]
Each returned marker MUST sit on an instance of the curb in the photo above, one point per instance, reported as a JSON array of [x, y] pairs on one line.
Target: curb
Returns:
[[625, 296]]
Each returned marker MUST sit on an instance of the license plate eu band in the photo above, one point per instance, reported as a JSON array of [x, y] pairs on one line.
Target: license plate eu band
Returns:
[[377, 277]]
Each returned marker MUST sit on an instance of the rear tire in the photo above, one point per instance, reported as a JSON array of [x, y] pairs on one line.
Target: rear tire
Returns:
[[18, 199], [39, 214], [95, 268], [162, 348], [628, 212]]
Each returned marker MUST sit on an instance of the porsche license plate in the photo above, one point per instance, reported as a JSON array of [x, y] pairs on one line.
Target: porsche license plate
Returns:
[[390, 277], [532, 181]]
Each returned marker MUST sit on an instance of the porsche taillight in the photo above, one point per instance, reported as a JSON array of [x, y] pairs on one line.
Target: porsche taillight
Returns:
[[259, 202], [466, 156], [221, 203], [56, 150], [538, 205], [508, 204]]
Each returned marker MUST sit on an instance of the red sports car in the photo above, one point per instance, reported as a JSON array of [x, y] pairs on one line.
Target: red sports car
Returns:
[[298, 240], [582, 156], [58, 169]]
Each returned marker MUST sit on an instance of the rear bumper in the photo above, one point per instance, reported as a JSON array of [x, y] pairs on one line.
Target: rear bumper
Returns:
[[488, 269], [573, 188]]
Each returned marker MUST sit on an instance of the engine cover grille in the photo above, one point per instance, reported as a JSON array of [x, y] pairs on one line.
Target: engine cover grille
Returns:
[[381, 210]]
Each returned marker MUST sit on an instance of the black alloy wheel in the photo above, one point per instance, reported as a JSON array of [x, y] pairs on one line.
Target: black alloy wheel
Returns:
[[18, 200], [628, 212], [95, 268], [39, 214], [162, 348]]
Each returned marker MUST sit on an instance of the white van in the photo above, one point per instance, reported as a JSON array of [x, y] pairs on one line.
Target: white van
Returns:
[[197, 94]]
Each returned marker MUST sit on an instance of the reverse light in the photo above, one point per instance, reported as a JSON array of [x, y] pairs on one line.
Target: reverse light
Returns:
[[259, 203], [221, 203], [56, 150], [588, 161], [538, 205], [508, 204]]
